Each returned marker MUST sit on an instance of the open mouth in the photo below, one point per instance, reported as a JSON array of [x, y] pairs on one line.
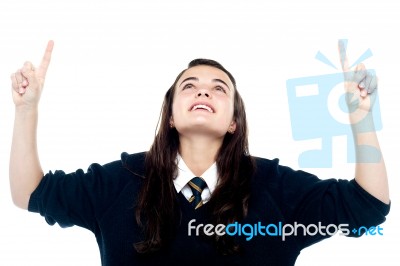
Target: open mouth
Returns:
[[202, 107]]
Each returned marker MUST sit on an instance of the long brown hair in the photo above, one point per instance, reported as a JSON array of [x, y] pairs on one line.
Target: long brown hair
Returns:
[[157, 210]]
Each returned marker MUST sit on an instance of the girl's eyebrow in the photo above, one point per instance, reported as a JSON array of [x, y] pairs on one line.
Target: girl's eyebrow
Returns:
[[189, 78], [197, 79], [223, 82]]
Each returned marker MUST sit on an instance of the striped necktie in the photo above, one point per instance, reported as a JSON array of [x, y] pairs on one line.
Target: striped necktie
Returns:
[[197, 184]]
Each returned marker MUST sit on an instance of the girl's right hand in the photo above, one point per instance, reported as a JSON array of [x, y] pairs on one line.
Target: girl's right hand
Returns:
[[27, 82]]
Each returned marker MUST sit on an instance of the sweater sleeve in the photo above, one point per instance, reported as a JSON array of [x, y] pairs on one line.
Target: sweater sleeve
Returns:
[[306, 199], [78, 198]]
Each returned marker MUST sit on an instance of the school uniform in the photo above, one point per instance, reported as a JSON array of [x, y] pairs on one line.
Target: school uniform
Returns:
[[103, 199]]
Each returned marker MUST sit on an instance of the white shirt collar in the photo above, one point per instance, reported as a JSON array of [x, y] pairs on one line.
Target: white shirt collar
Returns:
[[185, 175]]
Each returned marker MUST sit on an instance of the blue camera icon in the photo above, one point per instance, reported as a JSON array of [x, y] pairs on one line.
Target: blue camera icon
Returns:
[[318, 110]]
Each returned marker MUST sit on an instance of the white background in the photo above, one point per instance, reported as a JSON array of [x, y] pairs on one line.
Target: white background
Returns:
[[114, 60]]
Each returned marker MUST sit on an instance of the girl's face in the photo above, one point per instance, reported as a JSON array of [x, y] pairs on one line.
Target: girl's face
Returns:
[[203, 102]]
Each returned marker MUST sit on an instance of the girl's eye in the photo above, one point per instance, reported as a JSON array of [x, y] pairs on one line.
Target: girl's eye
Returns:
[[219, 88], [188, 86]]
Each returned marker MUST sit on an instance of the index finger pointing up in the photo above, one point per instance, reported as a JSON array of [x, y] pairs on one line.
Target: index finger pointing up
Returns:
[[44, 65], [342, 45]]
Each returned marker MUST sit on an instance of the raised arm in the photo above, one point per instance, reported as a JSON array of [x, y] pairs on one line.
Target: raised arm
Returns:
[[25, 170], [360, 86]]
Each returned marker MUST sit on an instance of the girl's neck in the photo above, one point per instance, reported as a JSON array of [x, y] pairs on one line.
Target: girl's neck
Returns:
[[199, 153]]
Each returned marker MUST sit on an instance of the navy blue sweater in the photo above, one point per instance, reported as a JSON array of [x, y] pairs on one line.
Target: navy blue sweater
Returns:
[[103, 201]]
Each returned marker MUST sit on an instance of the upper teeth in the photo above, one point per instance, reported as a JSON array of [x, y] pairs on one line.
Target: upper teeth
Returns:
[[201, 106]]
